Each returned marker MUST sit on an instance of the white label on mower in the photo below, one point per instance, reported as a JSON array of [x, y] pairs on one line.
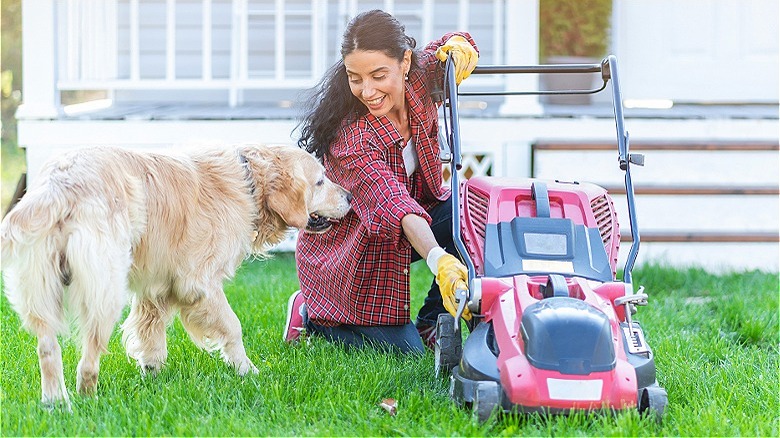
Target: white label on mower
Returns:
[[548, 266], [561, 389]]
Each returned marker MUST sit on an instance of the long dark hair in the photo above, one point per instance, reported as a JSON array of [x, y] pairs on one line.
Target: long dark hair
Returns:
[[331, 102]]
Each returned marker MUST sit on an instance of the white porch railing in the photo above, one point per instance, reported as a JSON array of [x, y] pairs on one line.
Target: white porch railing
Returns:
[[237, 45], [240, 45]]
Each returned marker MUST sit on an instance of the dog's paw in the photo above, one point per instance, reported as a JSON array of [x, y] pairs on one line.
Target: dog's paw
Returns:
[[59, 403], [87, 384], [246, 367], [149, 368]]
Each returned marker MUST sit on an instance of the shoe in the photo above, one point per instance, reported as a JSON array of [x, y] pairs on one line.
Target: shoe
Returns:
[[428, 335], [296, 317]]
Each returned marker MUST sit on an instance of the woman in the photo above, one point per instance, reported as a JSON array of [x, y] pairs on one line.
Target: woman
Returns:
[[374, 124]]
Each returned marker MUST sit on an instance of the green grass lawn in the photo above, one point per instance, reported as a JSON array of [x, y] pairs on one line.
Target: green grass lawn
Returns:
[[715, 340]]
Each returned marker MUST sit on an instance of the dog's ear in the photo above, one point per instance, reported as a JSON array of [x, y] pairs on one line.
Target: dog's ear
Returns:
[[288, 197]]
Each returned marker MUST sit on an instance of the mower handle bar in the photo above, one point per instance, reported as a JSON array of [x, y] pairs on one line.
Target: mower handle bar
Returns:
[[548, 68], [608, 70], [544, 68]]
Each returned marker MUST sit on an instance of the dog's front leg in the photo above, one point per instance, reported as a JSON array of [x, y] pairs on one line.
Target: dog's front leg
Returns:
[[144, 333], [212, 323]]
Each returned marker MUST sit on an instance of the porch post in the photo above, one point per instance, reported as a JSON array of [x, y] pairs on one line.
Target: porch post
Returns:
[[522, 48], [40, 98]]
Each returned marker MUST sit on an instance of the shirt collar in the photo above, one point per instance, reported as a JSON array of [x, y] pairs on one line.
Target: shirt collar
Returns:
[[415, 104]]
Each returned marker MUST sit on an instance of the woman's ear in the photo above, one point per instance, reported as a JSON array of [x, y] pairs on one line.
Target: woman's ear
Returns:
[[407, 62]]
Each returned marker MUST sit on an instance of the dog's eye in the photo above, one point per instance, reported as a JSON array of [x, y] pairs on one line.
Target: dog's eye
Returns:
[[321, 182]]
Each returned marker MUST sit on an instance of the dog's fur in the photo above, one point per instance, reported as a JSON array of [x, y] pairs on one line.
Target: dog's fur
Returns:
[[102, 226]]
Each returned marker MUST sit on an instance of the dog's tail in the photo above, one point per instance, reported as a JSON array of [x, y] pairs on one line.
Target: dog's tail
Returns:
[[34, 272], [69, 231]]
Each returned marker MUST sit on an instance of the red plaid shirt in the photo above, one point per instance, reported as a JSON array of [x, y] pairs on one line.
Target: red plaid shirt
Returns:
[[358, 272]]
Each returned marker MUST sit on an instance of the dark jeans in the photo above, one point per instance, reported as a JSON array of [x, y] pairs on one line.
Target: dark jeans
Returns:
[[441, 225], [396, 338], [403, 338]]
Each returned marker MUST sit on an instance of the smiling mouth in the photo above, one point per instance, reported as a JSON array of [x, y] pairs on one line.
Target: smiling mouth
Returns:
[[319, 224], [375, 102]]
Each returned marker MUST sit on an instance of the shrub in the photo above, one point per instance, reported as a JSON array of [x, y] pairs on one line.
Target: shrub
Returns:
[[574, 27]]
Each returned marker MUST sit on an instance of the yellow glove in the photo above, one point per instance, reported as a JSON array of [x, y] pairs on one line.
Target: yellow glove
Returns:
[[452, 276], [463, 55]]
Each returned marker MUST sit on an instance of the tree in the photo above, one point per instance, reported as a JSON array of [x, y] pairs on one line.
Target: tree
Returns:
[[574, 28], [11, 66]]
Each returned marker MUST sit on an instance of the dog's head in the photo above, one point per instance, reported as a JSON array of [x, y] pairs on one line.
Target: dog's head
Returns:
[[295, 188]]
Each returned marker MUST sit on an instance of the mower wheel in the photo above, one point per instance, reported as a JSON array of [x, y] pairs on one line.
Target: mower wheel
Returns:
[[487, 398], [653, 401], [449, 346]]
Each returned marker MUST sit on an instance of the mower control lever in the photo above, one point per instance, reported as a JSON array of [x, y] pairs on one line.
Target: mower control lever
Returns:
[[637, 159], [631, 301], [462, 297], [637, 299], [445, 155]]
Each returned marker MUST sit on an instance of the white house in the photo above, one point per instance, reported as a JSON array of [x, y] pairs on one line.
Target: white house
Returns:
[[699, 78]]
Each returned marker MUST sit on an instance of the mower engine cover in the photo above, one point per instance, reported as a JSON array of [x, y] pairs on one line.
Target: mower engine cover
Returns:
[[567, 335]]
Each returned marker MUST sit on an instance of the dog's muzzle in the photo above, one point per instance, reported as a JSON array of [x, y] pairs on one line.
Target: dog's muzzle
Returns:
[[319, 224]]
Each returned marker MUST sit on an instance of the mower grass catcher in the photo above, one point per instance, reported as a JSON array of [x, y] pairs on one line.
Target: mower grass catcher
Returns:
[[552, 330]]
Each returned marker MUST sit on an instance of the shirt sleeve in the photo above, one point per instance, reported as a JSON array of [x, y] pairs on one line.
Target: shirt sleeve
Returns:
[[379, 199]]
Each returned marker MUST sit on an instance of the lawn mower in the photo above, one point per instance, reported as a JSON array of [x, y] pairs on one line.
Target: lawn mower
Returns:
[[552, 328]]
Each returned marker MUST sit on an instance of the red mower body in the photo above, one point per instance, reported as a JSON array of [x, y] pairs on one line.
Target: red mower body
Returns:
[[530, 387], [491, 200], [486, 203]]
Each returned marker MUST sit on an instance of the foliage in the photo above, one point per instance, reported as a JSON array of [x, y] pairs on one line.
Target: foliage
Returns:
[[574, 27], [11, 65], [714, 339], [13, 163]]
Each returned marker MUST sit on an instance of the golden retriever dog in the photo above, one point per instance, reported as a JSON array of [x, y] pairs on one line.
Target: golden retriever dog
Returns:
[[104, 226]]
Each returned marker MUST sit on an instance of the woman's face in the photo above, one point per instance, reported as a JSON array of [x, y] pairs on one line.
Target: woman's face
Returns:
[[377, 80]]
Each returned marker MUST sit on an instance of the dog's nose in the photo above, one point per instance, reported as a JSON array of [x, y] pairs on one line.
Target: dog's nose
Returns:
[[349, 198]]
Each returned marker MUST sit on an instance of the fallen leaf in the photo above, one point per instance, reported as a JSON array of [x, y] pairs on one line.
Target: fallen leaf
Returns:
[[389, 405]]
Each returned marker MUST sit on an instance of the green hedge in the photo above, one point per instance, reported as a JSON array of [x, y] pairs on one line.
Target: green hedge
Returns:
[[574, 27]]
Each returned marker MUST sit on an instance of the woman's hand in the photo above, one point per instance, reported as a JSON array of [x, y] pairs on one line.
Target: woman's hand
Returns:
[[452, 276], [463, 55]]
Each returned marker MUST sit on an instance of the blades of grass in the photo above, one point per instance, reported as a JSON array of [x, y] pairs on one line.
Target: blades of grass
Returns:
[[714, 339]]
